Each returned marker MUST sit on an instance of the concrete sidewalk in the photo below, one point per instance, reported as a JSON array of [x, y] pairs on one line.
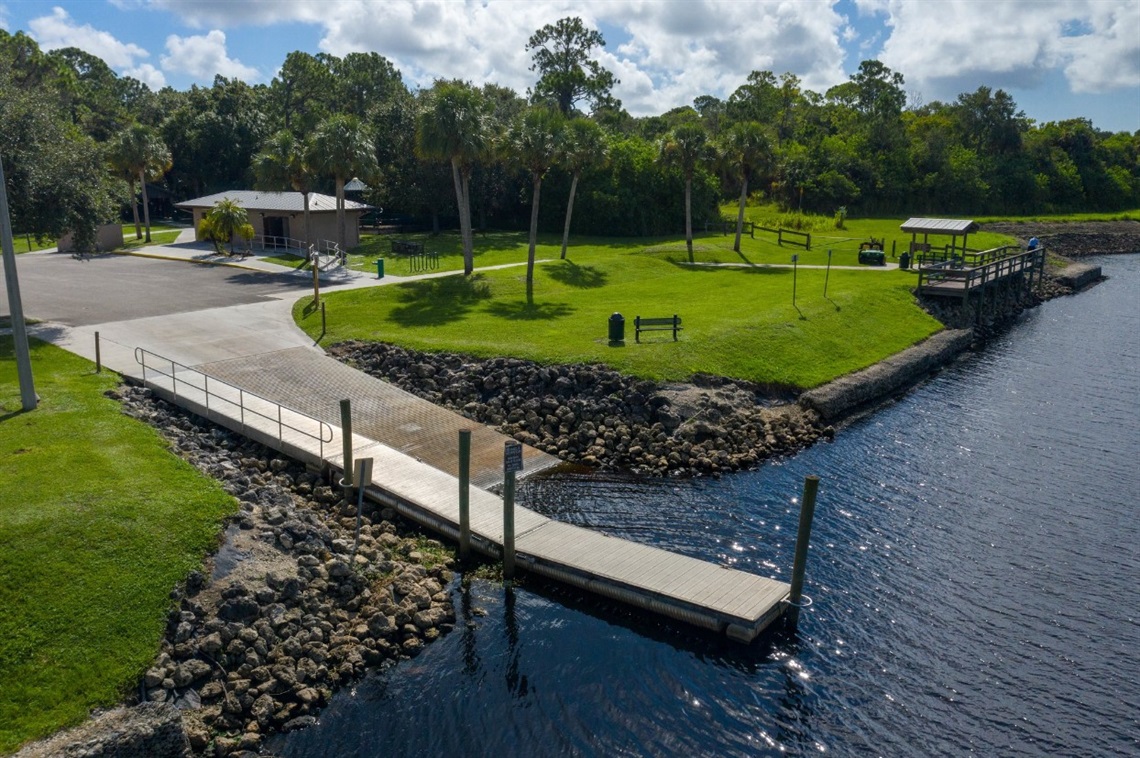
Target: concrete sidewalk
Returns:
[[257, 346]]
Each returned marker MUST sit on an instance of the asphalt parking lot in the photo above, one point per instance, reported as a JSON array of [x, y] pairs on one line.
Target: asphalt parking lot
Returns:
[[57, 287]]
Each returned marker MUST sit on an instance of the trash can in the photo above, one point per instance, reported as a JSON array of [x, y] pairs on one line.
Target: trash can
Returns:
[[379, 268], [904, 260], [617, 328]]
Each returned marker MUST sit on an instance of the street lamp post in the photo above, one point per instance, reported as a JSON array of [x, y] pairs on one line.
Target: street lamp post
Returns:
[[19, 331]]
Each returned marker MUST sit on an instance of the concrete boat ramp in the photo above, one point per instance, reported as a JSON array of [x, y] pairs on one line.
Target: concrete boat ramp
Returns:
[[421, 484], [246, 366]]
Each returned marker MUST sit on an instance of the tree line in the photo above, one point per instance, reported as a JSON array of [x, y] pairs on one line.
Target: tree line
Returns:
[[80, 144]]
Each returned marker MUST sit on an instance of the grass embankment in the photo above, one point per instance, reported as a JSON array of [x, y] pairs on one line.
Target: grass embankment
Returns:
[[98, 522], [738, 322]]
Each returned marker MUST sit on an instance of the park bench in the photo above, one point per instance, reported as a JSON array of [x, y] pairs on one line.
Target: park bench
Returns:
[[668, 324], [407, 247]]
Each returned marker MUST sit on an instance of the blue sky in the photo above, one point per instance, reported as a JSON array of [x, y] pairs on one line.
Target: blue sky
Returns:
[[1077, 58]]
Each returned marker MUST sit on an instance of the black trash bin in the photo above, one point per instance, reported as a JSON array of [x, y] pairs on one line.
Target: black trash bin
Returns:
[[617, 328], [904, 260]]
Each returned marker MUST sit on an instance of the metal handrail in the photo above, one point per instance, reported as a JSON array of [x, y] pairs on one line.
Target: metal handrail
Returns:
[[269, 240], [140, 358]]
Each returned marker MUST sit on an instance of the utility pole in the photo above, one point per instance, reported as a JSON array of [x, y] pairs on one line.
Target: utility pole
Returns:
[[19, 330]]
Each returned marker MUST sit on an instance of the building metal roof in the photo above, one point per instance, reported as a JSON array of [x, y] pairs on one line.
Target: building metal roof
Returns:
[[939, 226], [279, 202], [356, 186]]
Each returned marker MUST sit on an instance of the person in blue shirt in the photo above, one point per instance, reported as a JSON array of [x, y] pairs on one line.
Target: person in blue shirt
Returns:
[[1033, 243]]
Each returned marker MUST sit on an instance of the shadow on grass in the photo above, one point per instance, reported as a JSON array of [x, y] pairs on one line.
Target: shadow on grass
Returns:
[[522, 311], [581, 277], [434, 302]]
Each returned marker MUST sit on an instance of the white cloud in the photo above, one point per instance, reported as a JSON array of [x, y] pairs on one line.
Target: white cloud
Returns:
[[60, 30], [204, 56], [954, 45], [148, 75], [678, 50], [203, 14], [668, 52]]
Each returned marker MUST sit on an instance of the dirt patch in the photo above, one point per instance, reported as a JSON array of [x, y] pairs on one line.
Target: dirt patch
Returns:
[[1075, 239]]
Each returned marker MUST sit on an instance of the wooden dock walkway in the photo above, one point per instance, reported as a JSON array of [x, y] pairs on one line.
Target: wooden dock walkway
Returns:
[[723, 600], [960, 277]]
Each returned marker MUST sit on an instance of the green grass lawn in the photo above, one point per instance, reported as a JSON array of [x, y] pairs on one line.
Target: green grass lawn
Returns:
[[98, 522], [26, 243], [158, 236], [739, 322], [286, 260], [491, 249]]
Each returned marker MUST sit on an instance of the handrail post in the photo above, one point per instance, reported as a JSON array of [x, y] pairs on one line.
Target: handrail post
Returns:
[[241, 407], [173, 379]]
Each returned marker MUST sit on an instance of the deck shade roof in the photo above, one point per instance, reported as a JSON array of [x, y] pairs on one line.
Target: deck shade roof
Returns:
[[950, 226]]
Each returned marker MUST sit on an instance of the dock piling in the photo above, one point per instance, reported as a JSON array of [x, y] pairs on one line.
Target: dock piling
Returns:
[[346, 434], [464, 494], [803, 537]]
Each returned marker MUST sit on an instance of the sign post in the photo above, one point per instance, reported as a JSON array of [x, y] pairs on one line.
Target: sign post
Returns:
[[827, 275], [512, 463], [795, 258], [363, 479]]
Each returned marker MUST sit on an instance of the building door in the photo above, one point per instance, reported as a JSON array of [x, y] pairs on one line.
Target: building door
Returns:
[[277, 231]]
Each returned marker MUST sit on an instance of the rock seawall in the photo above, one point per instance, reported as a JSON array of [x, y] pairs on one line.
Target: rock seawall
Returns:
[[285, 613], [150, 729], [593, 415], [1078, 275], [894, 374]]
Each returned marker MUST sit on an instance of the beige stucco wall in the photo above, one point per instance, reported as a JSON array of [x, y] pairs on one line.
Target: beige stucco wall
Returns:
[[322, 225], [107, 237]]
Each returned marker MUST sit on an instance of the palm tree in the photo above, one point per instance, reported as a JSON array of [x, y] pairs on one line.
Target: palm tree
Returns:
[[583, 145], [686, 147], [139, 153], [453, 127], [280, 164], [532, 143], [226, 220], [744, 149], [341, 147]]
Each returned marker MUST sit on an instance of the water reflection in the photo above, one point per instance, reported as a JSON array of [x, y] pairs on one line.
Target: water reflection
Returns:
[[972, 568]]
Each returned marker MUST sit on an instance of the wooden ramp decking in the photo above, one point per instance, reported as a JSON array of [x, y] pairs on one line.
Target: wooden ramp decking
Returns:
[[720, 599]]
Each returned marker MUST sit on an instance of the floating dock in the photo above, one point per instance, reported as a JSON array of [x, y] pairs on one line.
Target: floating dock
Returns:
[[723, 600]]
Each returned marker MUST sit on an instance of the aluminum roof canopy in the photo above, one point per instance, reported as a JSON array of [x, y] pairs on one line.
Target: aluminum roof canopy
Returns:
[[950, 226], [280, 202]]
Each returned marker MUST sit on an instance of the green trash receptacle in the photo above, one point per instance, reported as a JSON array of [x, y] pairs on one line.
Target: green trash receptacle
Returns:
[[617, 328], [904, 260], [379, 268]]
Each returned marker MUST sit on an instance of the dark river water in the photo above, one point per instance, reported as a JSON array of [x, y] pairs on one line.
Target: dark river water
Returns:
[[973, 572]]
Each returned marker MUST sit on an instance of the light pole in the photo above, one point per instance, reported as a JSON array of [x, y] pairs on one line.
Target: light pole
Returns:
[[19, 331]]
